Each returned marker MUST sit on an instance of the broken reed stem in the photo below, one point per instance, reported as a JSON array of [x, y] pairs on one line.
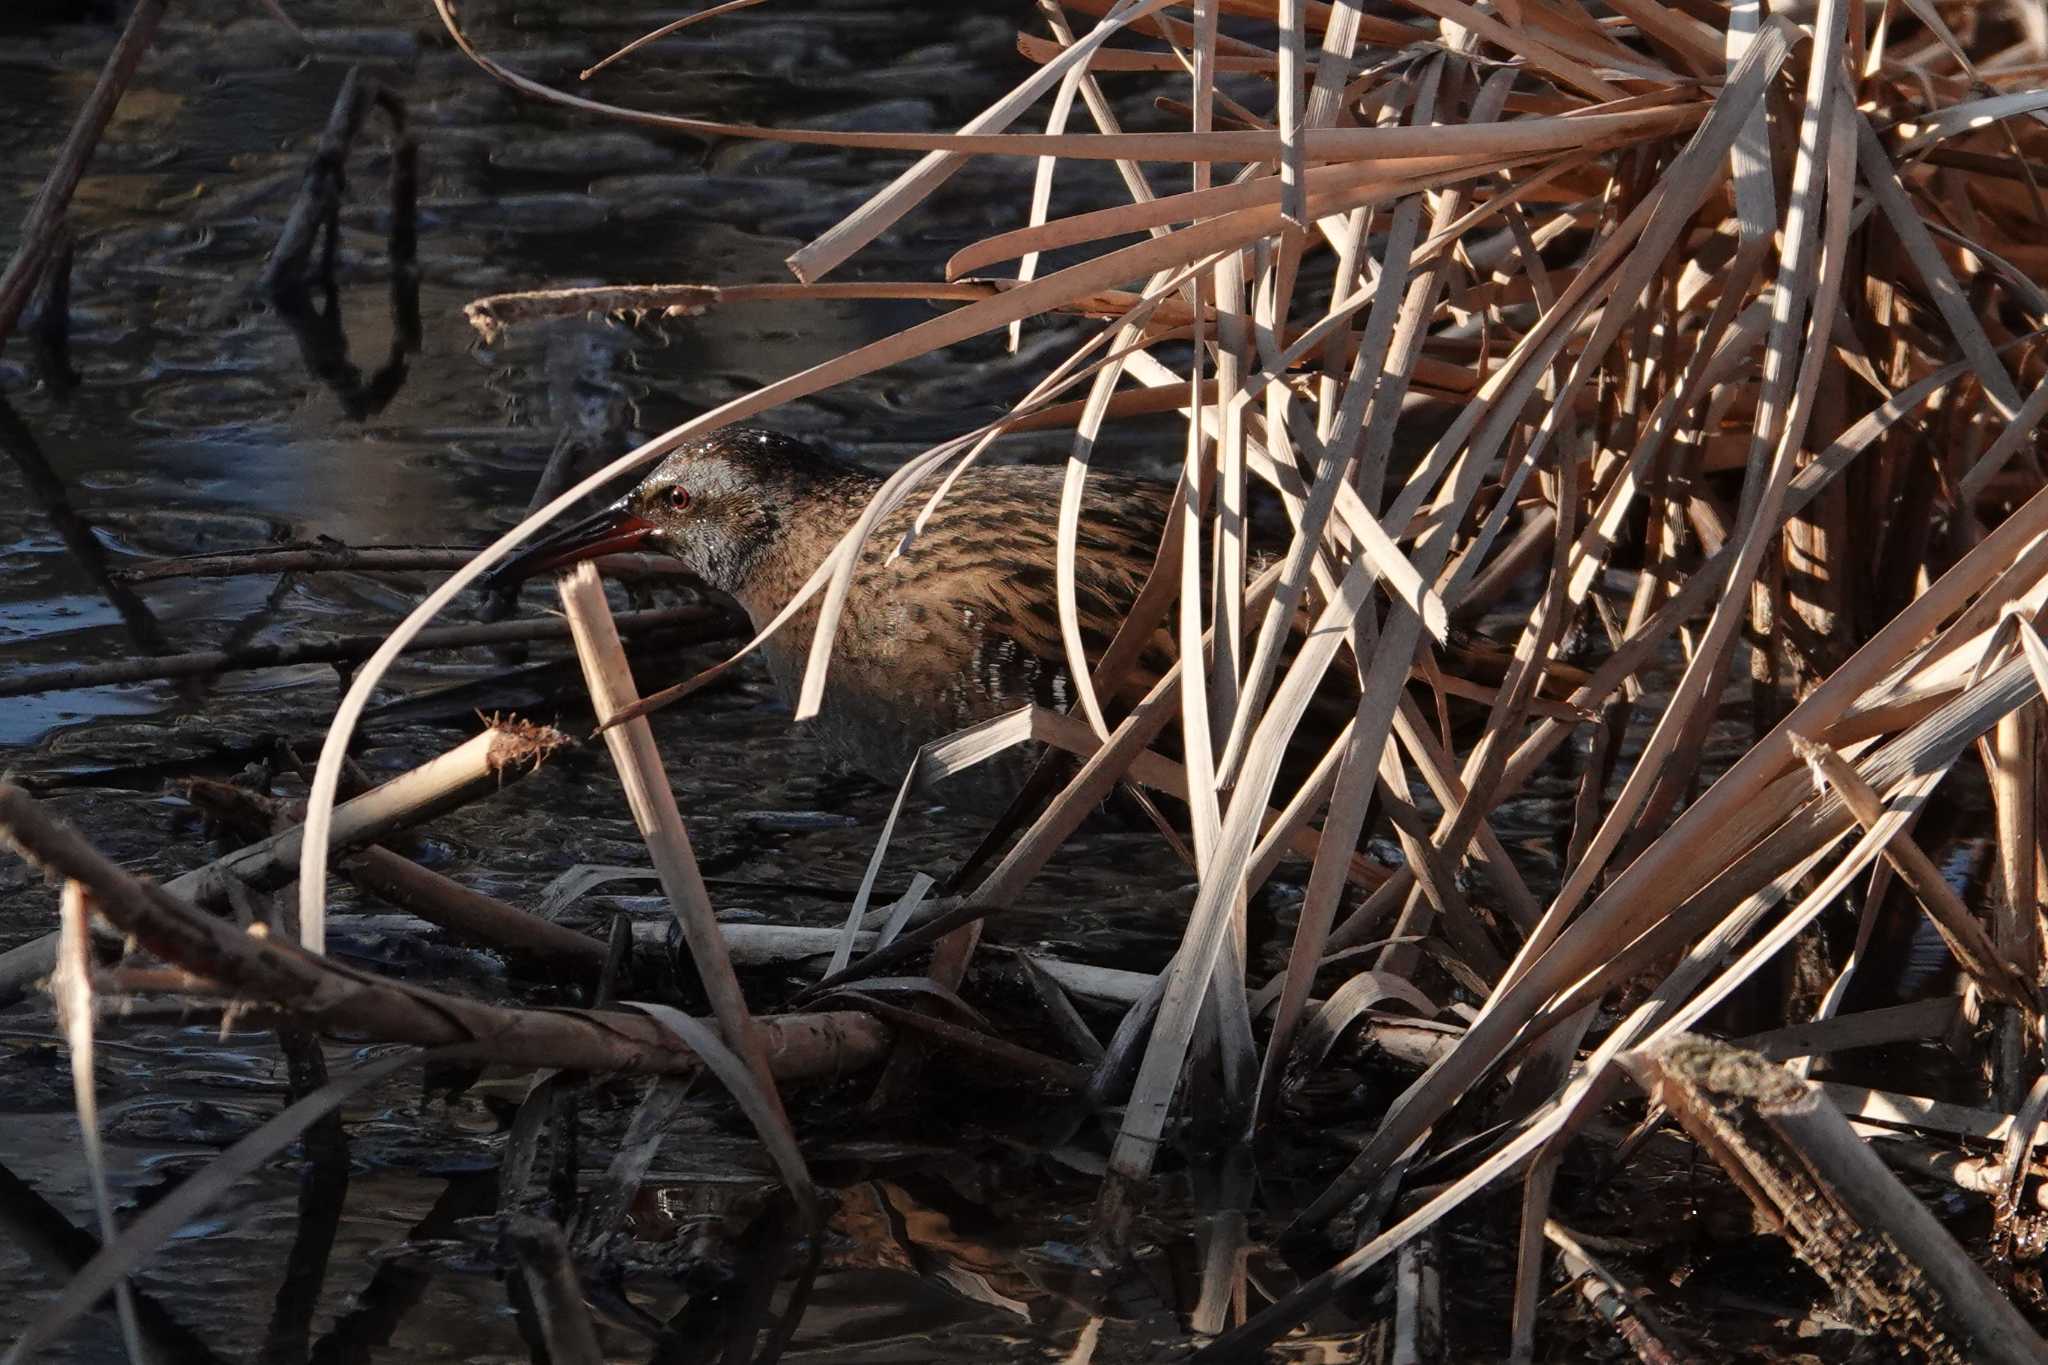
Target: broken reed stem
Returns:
[[500, 754], [335, 999], [491, 315], [508, 749], [1811, 1177], [698, 624], [471, 915], [653, 803]]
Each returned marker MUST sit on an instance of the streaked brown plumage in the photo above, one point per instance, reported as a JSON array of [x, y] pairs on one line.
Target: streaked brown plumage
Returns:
[[960, 627]]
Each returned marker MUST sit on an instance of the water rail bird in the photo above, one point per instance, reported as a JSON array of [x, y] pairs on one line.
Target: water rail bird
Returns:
[[960, 627]]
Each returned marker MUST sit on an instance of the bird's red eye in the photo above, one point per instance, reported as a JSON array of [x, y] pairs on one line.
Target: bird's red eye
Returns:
[[679, 497]]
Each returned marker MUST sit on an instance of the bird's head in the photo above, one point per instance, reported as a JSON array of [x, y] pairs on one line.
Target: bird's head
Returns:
[[717, 505]]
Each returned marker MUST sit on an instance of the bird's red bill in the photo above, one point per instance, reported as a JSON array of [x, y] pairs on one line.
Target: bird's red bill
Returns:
[[616, 530]]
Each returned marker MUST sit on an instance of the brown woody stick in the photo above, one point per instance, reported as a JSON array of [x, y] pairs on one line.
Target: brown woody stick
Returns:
[[471, 914], [1826, 1192], [334, 998]]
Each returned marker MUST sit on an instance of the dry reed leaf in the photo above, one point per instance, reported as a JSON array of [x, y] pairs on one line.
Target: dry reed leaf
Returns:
[[609, 679], [1366, 180], [1067, 528], [673, 26], [1041, 50], [935, 762], [72, 991], [1041, 186]]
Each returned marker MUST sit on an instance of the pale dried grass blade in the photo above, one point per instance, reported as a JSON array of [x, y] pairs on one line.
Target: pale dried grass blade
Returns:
[[1965, 937], [1293, 57], [71, 989], [1568, 69], [653, 803], [1878, 173], [1041, 184]]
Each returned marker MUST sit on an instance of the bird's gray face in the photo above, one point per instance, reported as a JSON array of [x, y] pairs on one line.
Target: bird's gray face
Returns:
[[715, 518], [717, 506]]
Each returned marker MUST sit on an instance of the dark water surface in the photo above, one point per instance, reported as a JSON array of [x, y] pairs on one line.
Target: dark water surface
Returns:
[[198, 426]]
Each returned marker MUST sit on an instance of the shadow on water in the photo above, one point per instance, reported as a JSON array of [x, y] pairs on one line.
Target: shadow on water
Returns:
[[323, 341], [323, 1189], [59, 1247], [303, 287], [47, 490], [369, 1323]]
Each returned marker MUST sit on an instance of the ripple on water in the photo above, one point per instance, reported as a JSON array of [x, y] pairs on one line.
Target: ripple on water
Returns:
[[584, 153]]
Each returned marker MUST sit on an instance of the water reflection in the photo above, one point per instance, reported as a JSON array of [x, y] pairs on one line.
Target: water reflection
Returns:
[[323, 341], [81, 542]]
